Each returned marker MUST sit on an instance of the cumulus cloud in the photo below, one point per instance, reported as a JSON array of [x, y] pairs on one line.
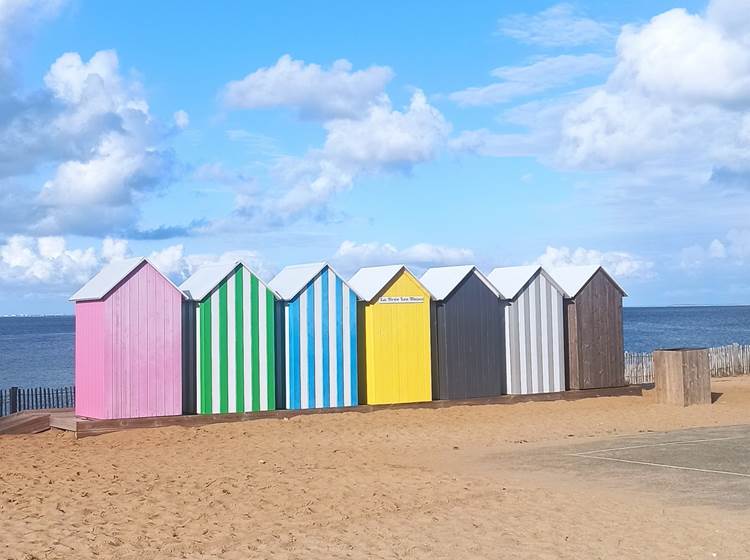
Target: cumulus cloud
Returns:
[[381, 140], [678, 98], [364, 136], [351, 256], [48, 265], [620, 264], [93, 130], [44, 263], [314, 91], [734, 250], [539, 76], [561, 25]]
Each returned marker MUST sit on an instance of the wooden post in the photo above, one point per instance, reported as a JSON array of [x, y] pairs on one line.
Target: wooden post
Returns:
[[13, 400], [682, 376]]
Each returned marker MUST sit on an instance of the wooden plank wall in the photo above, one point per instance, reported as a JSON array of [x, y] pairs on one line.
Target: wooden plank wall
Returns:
[[594, 345], [469, 339], [534, 339], [397, 345]]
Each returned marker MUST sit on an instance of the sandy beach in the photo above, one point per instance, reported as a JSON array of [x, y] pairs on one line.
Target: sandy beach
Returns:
[[457, 482]]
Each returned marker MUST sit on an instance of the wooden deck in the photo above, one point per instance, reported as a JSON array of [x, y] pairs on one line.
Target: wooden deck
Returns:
[[85, 427], [27, 422]]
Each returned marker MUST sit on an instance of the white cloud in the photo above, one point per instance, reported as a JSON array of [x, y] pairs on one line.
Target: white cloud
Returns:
[[383, 140], [45, 263], [620, 264], [173, 261], [312, 90], [36, 265], [677, 100], [733, 250], [181, 119], [541, 75], [558, 26], [114, 249], [351, 256], [539, 137], [717, 250], [93, 130]]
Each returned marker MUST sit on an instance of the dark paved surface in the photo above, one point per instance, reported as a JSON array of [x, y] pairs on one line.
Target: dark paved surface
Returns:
[[708, 466]]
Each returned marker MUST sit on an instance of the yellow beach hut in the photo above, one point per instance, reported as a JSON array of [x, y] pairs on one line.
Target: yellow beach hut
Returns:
[[394, 336]]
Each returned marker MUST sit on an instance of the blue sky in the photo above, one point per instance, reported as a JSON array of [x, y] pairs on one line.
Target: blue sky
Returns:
[[556, 133]]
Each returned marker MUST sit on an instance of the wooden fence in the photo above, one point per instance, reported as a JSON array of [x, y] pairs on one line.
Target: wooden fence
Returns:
[[723, 361], [17, 399]]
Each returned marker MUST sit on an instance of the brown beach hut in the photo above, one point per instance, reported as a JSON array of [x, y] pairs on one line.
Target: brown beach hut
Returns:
[[593, 327]]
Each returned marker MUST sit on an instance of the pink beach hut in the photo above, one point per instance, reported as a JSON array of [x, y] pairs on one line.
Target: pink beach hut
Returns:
[[128, 345]]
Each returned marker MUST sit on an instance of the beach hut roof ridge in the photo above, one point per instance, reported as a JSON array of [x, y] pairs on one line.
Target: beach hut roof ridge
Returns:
[[511, 280], [110, 276], [441, 281], [369, 281], [574, 278], [203, 281]]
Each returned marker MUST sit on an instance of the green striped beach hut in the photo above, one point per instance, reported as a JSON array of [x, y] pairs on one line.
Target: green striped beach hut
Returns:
[[228, 341]]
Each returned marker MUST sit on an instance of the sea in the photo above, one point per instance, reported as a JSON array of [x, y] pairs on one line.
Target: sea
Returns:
[[38, 351]]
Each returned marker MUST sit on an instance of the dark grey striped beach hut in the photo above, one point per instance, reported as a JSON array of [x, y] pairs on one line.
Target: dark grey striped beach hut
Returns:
[[468, 341]]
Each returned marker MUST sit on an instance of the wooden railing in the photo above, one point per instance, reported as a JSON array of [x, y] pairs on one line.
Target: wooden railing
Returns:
[[733, 359], [18, 399]]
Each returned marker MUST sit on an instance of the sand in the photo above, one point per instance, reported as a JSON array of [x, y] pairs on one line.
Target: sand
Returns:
[[388, 484]]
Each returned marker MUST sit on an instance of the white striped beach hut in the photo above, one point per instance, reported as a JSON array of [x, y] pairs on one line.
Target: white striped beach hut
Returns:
[[318, 322], [534, 329], [228, 341]]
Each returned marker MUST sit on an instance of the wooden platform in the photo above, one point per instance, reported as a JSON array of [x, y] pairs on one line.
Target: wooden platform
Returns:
[[85, 427], [27, 422]]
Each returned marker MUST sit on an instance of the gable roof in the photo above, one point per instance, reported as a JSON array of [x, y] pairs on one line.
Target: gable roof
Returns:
[[369, 281], [292, 279], [574, 278], [442, 280], [203, 281], [510, 280], [110, 276]]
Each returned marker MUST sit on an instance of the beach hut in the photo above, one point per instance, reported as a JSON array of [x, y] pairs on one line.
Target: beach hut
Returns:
[[128, 343], [534, 329], [594, 355], [394, 334], [468, 321], [317, 324], [230, 350]]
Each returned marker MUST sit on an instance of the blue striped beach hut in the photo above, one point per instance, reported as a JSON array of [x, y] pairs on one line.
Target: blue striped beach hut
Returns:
[[317, 325]]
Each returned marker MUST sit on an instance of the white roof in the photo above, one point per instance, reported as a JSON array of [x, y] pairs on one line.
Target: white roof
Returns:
[[442, 280], [572, 279], [108, 277], [207, 277], [292, 279], [509, 280], [368, 282]]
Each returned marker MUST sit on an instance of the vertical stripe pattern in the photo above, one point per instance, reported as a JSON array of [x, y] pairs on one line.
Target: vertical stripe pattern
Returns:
[[235, 345], [321, 345], [534, 340]]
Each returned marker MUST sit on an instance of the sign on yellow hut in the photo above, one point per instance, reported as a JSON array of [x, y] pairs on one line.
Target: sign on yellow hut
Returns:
[[394, 335]]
